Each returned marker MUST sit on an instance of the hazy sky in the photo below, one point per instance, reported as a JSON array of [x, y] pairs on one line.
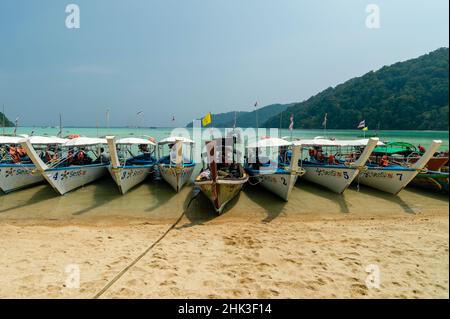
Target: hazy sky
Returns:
[[188, 57]]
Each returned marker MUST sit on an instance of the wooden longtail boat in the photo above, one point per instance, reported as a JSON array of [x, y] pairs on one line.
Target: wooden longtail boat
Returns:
[[222, 178]]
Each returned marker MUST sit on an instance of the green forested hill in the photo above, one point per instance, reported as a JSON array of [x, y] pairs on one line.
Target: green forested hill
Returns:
[[4, 119], [246, 119], [406, 95]]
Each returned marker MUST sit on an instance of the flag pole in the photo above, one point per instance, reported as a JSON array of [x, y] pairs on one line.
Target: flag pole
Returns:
[[107, 120], [257, 124], [15, 127], [257, 127], [291, 125], [281, 124], [60, 125], [4, 117]]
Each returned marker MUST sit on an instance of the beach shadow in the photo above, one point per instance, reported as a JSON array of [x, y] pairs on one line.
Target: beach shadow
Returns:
[[44, 194], [160, 191], [271, 203], [198, 209], [435, 194], [105, 191], [325, 193], [387, 197]]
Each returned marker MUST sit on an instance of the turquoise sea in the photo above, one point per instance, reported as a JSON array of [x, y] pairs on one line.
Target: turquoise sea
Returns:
[[414, 137]]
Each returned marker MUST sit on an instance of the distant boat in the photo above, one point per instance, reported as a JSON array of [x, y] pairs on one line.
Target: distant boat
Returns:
[[432, 180], [130, 166], [78, 163], [175, 168], [223, 178]]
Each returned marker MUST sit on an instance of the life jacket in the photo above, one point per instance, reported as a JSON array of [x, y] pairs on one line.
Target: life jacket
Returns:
[[51, 158], [21, 151], [384, 161], [80, 156], [69, 158], [14, 155], [351, 157], [319, 156], [331, 160]]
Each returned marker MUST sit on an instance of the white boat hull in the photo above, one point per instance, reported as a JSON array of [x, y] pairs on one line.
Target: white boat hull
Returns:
[[64, 180], [279, 184], [128, 177], [387, 179], [177, 177], [335, 178], [17, 176]]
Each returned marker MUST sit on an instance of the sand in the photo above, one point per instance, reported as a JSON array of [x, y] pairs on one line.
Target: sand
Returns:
[[318, 245]]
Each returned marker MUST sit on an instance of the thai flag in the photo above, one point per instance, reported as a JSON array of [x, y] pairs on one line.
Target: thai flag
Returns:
[[15, 126], [362, 124], [291, 125]]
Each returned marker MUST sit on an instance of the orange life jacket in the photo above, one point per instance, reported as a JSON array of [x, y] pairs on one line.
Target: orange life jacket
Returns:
[[21, 151], [384, 161], [14, 155], [319, 156], [80, 156], [331, 159]]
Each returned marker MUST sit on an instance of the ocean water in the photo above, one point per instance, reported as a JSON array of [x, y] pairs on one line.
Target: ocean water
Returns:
[[414, 137]]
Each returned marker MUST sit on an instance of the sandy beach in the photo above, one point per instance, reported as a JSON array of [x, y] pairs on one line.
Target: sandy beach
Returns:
[[318, 245]]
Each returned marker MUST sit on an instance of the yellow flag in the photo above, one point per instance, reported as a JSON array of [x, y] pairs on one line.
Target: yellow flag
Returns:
[[365, 128], [207, 119]]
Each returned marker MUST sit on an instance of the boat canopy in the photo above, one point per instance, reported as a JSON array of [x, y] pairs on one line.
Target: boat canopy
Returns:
[[327, 142], [10, 139], [315, 142], [174, 139], [269, 142], [39, 140], [45, 140], [395, 148], [135, 141], [85, 141]]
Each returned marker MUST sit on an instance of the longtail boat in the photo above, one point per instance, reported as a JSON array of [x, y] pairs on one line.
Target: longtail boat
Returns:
[[176, 168], [392, 177], [335, 164], [222, 178], [17, 171], [132, 160], [79, 161], [275, 172]]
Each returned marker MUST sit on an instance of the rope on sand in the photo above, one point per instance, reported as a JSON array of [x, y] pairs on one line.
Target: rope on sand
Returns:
[[135, 261]]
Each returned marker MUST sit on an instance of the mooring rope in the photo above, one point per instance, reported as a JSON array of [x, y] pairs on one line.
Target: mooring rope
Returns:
[[138, 258]]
